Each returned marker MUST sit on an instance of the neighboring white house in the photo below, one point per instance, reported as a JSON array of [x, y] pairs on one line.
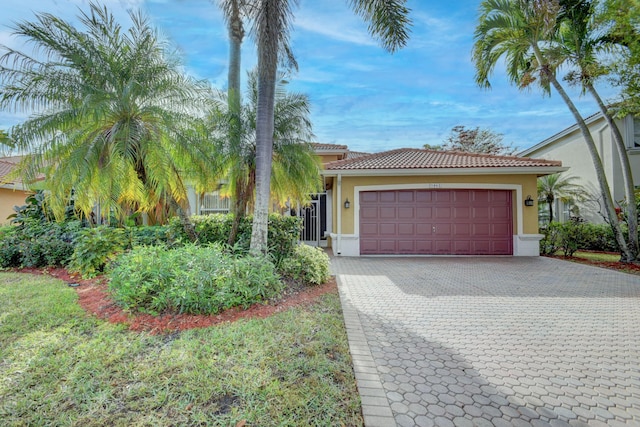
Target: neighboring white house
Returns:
[[569, 147]]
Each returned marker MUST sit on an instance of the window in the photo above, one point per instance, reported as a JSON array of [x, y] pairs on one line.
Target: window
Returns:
[[213, 203], [636, 132]]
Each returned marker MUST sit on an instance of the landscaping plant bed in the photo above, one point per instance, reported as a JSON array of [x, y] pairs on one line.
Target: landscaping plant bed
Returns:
[[94, 298], [609, 260]]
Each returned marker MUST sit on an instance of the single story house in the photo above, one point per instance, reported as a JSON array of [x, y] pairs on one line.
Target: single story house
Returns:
[[416, 201], [12, 192], [569, 147]]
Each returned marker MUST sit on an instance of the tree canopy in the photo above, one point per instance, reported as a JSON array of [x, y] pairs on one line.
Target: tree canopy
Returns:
[[113, 121], [477, 140]]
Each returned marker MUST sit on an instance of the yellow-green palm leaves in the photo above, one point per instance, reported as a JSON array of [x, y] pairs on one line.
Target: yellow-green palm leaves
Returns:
[[113, 122]]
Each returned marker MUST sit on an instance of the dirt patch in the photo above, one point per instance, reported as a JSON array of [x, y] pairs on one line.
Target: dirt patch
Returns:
[[94, 298], [631, 268]]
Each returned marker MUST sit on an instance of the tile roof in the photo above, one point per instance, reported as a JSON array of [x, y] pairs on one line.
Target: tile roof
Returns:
[[7, 165], [356, 154], [328, 147], [414, 158]]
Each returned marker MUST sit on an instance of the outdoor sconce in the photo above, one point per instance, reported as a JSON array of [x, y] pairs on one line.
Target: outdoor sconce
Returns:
[[347, 204], [528, 201]]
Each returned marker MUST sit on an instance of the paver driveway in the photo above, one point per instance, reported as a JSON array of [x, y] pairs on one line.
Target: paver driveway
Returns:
[[492, 341]]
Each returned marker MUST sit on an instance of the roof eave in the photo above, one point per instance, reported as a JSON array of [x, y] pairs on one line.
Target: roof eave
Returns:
[[510, 170]]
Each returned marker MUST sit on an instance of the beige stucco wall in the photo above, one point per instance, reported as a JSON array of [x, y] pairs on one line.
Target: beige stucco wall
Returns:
[[573, 152], [349, 183], [8, 199]]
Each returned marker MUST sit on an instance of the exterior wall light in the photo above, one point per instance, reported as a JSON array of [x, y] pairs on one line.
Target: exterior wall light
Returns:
[[528, 201], [347, 204]]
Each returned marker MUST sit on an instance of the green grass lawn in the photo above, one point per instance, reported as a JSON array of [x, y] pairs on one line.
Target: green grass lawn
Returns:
[[59, 366], [597, 256]]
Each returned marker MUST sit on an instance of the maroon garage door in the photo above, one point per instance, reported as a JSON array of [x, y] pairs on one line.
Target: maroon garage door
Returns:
[[439, 222]]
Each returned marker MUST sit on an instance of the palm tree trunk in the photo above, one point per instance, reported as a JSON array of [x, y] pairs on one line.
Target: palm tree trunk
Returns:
[[264, 152], [595, 157], [550, 203], [268, 43], [236, 35], [627, 177], [183, 214]]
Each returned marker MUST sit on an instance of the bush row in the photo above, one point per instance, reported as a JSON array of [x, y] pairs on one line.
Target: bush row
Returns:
[[571, 236], [154, 269], [283, 232], [190, 279]]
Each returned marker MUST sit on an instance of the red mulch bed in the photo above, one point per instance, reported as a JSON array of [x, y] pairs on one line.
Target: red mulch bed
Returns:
[[631, 268], [94, 298]]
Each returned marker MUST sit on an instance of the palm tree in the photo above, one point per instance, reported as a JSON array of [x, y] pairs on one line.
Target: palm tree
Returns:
[[519, 30], [113, 119], [578, 41], [387, 21], [558, 187], [295, 172]]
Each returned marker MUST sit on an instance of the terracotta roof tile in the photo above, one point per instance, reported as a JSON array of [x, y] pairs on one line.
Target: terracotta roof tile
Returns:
[[414, 158], [328, 147], [356, 154]]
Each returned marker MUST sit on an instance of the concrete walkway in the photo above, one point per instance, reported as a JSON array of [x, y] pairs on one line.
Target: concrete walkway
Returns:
[[492, 341]]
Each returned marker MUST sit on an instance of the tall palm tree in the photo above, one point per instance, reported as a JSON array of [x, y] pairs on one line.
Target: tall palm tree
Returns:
[[113, 119], [579, 39], [295, 172], [519, 30], [558, 187], [388, 21]]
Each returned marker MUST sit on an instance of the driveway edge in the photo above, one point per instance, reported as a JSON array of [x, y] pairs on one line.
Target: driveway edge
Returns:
[[376, 410]]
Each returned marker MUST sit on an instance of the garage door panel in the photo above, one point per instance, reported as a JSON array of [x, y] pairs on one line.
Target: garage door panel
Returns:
[[406, 246], [442, 213], [423, 213], [423, 229], [367, 212], [424, 196], [387, 246], [387, 197], [406, 196], [368, 197], [406, 229], [462, 247], [459, 222], [387, 212], [500, 213], [481, 212], [462, 230], [368, 229], [406, 212], [387, 229], [461, 212]]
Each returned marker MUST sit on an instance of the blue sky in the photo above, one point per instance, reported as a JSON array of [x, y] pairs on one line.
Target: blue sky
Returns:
[[361, 96]]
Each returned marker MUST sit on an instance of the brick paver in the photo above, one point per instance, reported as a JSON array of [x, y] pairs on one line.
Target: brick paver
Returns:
[[492, 341]]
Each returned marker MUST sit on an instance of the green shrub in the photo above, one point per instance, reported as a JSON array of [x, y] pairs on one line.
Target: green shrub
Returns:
[[190, 279], [600, 237], [284, 232], [572, 236], [308, 264], [38, 243], [95, 247], [154, 235]]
